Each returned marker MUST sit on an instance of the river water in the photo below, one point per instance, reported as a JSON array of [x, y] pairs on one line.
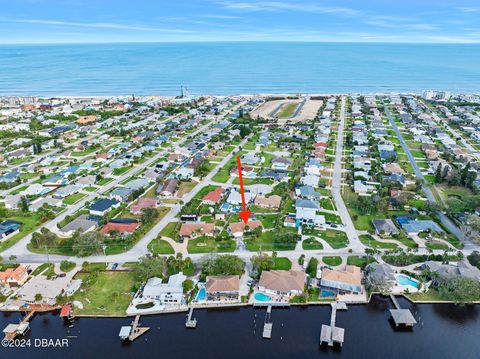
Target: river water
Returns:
[[444, 331]]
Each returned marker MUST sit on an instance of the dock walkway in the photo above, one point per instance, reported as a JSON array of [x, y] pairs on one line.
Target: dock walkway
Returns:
[[331, 334]]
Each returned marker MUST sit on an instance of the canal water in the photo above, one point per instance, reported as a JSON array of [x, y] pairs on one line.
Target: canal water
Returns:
[[444, 331]]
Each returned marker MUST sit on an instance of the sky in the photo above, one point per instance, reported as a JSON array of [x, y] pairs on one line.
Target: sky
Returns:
[[88, 21]]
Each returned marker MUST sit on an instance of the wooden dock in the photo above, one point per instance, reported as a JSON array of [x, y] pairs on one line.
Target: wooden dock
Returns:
[[401, 316], [191, 322], [13, 330], [331, 334], [268, 326], [134, 331]]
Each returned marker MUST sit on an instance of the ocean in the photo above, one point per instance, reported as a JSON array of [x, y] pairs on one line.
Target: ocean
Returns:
[[444, 331], [236, 68]]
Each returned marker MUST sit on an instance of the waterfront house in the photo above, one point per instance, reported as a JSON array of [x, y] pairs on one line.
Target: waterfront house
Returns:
[[282, 282], [14, 277], [170, 292], [223, 288], [343, 281], [379, 275]]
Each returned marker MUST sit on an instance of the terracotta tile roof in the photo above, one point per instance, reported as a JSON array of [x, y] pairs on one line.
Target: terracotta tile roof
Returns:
[[351, 275], [188, 229], [228, 283], [142, 203], [214, 196], [283, 280], [120, 227], [272, 201], [237, 227], [13, 273]]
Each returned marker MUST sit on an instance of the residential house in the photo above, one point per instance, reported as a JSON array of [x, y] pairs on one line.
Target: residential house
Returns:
[[282, 282], [342, 281], [223, 288], [83, 223], [14, 277], [103, 206], [193, 230], [272, 202], [166, 293], [123, 226], [213, 197], [384, 227], [142, 203], [169, 188], [9, 228], [237, 229]]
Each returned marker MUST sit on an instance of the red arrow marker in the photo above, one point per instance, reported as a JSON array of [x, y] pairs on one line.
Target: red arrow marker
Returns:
[[244, 214]]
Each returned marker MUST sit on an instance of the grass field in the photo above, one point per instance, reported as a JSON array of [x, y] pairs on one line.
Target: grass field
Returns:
[[336, 239], [160, 246], [369, 241], [332, 260], [359, 261], [73, 198], [282, 263], [287, 110], [206, 244], [311, 244], [105, 293]]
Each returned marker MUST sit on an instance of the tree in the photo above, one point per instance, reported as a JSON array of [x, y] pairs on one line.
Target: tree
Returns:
[[149, 215], [261, 262], [459, 289], [24, 204], [312, 267], [222, 265], [44, 238], [438, 173], [187, 286], [87, 244], [471, 228], [149, 267], [38, 297]]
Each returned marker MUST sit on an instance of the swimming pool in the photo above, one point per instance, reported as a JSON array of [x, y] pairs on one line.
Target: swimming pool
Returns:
[[201, 294], [404, 280], [262, 297], [327, 293]]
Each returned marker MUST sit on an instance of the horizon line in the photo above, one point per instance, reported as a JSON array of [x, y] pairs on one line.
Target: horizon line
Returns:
[[244, 41]]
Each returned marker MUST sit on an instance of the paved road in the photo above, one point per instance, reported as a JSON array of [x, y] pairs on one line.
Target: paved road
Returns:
[[471, 150], [21, 246], [350, 230], [418, 173]]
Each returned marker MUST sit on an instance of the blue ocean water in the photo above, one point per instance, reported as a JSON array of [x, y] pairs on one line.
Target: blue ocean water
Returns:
[[236, 68]]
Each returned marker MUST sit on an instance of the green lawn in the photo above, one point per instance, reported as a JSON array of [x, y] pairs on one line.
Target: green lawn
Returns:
[[287, 110], [47, 269], [282, 263], [268, 220], [332, 260], [252, 181], [436, 245], [369, 241], [160, 246], [206, 244], [267, 242], [30, 222], [336, 239], [222, 176], [104, 181], [90, 189], [120, 171], [311, 244], [171, 230], [359, 261], [105, 293], [73, 198]]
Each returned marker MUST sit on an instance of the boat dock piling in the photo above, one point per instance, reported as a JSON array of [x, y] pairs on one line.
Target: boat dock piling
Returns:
[[401, 316], [13, 330], [133, 331], [331, 334], [191, 322], [267, 328]]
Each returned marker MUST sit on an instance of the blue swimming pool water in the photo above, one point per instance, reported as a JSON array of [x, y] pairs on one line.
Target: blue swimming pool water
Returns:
[[201, 294], [262, 297], [404, 280], [327, 293]]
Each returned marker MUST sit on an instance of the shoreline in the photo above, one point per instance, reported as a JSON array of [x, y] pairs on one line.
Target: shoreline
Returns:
[[242, 305]]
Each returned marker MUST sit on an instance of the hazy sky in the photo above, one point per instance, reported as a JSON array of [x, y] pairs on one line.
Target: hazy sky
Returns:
[[51, 21]]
